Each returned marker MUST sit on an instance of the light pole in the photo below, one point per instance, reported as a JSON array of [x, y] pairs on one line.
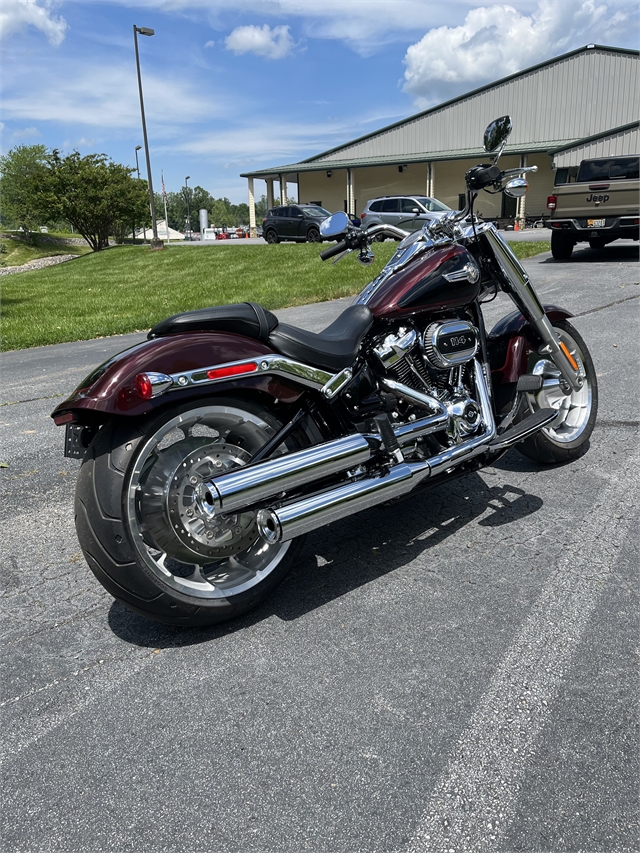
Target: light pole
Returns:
[[144, 228], [186, 194], [155, 242]]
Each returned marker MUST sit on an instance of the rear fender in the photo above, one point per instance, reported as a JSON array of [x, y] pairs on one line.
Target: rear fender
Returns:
[[111, 388], [511, 341]]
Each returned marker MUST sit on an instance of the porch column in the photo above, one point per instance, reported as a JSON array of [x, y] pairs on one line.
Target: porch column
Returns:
[[521, 206], [252, 210], [431, 179], [269, 183], [351, 205], [283, 189]]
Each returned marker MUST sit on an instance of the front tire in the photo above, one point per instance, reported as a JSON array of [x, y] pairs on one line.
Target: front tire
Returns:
[[567, 437], [561, 245], [313, 235], [138, 521]]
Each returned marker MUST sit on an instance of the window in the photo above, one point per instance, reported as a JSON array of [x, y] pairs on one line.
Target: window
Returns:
[[314, 210], [611, 169], [390, 205], [408, 205], [375, 206], [433, 205]]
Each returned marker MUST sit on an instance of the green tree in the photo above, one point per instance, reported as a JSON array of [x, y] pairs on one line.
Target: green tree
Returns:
[[25, 187], [97, 196]]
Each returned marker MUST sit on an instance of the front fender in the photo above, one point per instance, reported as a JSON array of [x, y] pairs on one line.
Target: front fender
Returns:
[[110, 389], [510, 342]]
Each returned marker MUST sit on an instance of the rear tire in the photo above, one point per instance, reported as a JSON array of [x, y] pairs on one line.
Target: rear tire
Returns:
[[272, 236], [140, 528], [567, 437], [561, 245]]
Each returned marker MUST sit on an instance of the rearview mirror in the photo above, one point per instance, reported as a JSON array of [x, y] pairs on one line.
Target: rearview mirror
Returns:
[[334, 225], [497, 133]]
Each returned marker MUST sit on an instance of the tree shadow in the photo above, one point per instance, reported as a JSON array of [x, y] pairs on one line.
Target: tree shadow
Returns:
[[353, 552]]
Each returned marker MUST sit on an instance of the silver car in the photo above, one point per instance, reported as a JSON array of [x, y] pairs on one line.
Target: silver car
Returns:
[[409, 212]]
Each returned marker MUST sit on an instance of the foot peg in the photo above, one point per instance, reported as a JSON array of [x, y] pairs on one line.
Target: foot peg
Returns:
[[529, 383], [524, 429]]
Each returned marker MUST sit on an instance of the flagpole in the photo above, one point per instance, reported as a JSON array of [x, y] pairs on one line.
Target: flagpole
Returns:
[[164, 198]]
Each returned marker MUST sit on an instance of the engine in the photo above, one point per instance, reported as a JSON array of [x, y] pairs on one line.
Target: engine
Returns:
[[437, 362]]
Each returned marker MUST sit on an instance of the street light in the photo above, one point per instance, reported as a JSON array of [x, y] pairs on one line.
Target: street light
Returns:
[[155, 242], [144, 228], [186, 193]]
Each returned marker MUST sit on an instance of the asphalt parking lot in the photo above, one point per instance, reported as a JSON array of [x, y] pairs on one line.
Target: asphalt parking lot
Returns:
[[454, 673]]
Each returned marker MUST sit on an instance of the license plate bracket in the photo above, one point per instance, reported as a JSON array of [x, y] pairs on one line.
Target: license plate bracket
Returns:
[[595, 223], [77, 439]]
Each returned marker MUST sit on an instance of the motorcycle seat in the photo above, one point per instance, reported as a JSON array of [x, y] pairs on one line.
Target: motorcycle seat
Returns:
[[332, 349], [243, 318]]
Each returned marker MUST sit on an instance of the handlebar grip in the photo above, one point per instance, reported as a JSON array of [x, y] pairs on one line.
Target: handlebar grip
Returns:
[[332, 251], [479, 177]]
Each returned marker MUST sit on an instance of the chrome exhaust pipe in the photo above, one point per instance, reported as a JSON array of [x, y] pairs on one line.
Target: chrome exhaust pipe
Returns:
[[246, 486], [280, 525], [308, 514]]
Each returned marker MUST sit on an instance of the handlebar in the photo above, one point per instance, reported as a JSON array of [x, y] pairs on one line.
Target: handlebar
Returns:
[[332, 251]]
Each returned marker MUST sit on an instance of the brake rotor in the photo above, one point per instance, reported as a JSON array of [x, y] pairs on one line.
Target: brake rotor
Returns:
[[170, 509]]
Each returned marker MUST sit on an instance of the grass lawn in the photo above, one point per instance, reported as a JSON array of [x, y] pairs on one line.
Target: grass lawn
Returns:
[[19, 252], [129, 288]]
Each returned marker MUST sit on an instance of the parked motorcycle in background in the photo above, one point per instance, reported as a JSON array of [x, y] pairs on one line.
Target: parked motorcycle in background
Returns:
[[212, 448]]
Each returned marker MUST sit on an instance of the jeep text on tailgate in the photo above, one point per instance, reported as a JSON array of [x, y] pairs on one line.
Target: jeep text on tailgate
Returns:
[[600, 206]]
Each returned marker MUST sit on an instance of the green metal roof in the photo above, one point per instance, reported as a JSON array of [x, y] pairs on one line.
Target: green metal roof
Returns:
[[398, 160]]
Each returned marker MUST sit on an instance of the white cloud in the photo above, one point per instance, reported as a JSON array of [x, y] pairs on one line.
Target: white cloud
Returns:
[[495, 41], [26, 133], [81, 94], [273, 43], [18, 14]]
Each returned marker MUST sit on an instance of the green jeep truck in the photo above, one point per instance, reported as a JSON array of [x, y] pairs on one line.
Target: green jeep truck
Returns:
[[600, 206]]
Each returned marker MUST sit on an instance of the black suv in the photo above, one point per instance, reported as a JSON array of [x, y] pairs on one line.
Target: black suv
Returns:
[[299, 222]]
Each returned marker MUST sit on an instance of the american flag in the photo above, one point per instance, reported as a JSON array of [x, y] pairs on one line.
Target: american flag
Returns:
[[164, 192]]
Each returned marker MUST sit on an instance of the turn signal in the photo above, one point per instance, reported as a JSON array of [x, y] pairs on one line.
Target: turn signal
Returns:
[[552, 201], [232, 370], [572, 360]]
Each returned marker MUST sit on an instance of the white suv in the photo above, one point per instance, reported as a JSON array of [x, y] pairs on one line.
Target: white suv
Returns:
[[409, 212]]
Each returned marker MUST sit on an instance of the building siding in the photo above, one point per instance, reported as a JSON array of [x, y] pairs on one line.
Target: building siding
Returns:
[[576, 97], [625, 143]]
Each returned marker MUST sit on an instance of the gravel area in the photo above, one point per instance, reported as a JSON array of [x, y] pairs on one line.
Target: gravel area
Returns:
[[38, 264]]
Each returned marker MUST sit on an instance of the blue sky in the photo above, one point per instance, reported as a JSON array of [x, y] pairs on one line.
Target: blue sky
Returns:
[[244, 84]]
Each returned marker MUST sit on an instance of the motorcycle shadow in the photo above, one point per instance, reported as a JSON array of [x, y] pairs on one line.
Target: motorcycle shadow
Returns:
[[354, 552]]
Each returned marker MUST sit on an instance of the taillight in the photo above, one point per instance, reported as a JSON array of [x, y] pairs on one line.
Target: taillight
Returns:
[[232, 370], [552, 201], [362, 216], [144, 388]]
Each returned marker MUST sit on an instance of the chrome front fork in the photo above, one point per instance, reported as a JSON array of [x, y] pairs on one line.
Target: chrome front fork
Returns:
[[521, 291]]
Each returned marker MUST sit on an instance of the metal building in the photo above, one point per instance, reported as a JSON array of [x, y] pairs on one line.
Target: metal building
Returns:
[[586, 100]]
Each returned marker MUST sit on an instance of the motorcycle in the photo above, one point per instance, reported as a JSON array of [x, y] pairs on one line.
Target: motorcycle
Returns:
[[211, 449]]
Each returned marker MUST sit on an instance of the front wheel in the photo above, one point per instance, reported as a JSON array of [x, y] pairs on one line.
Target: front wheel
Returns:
[[141, 525], [568, 435], [313, 235]]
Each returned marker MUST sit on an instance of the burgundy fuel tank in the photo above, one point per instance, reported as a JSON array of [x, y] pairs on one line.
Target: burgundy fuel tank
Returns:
[[422, 286]]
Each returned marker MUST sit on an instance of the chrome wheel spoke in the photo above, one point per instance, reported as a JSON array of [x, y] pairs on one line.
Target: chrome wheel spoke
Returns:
[[189, 550]]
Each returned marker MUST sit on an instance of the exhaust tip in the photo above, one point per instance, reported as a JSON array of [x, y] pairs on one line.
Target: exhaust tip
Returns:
[[269, 526]]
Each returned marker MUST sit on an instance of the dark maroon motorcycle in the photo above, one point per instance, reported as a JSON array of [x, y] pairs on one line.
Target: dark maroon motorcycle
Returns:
[[212, 448]]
